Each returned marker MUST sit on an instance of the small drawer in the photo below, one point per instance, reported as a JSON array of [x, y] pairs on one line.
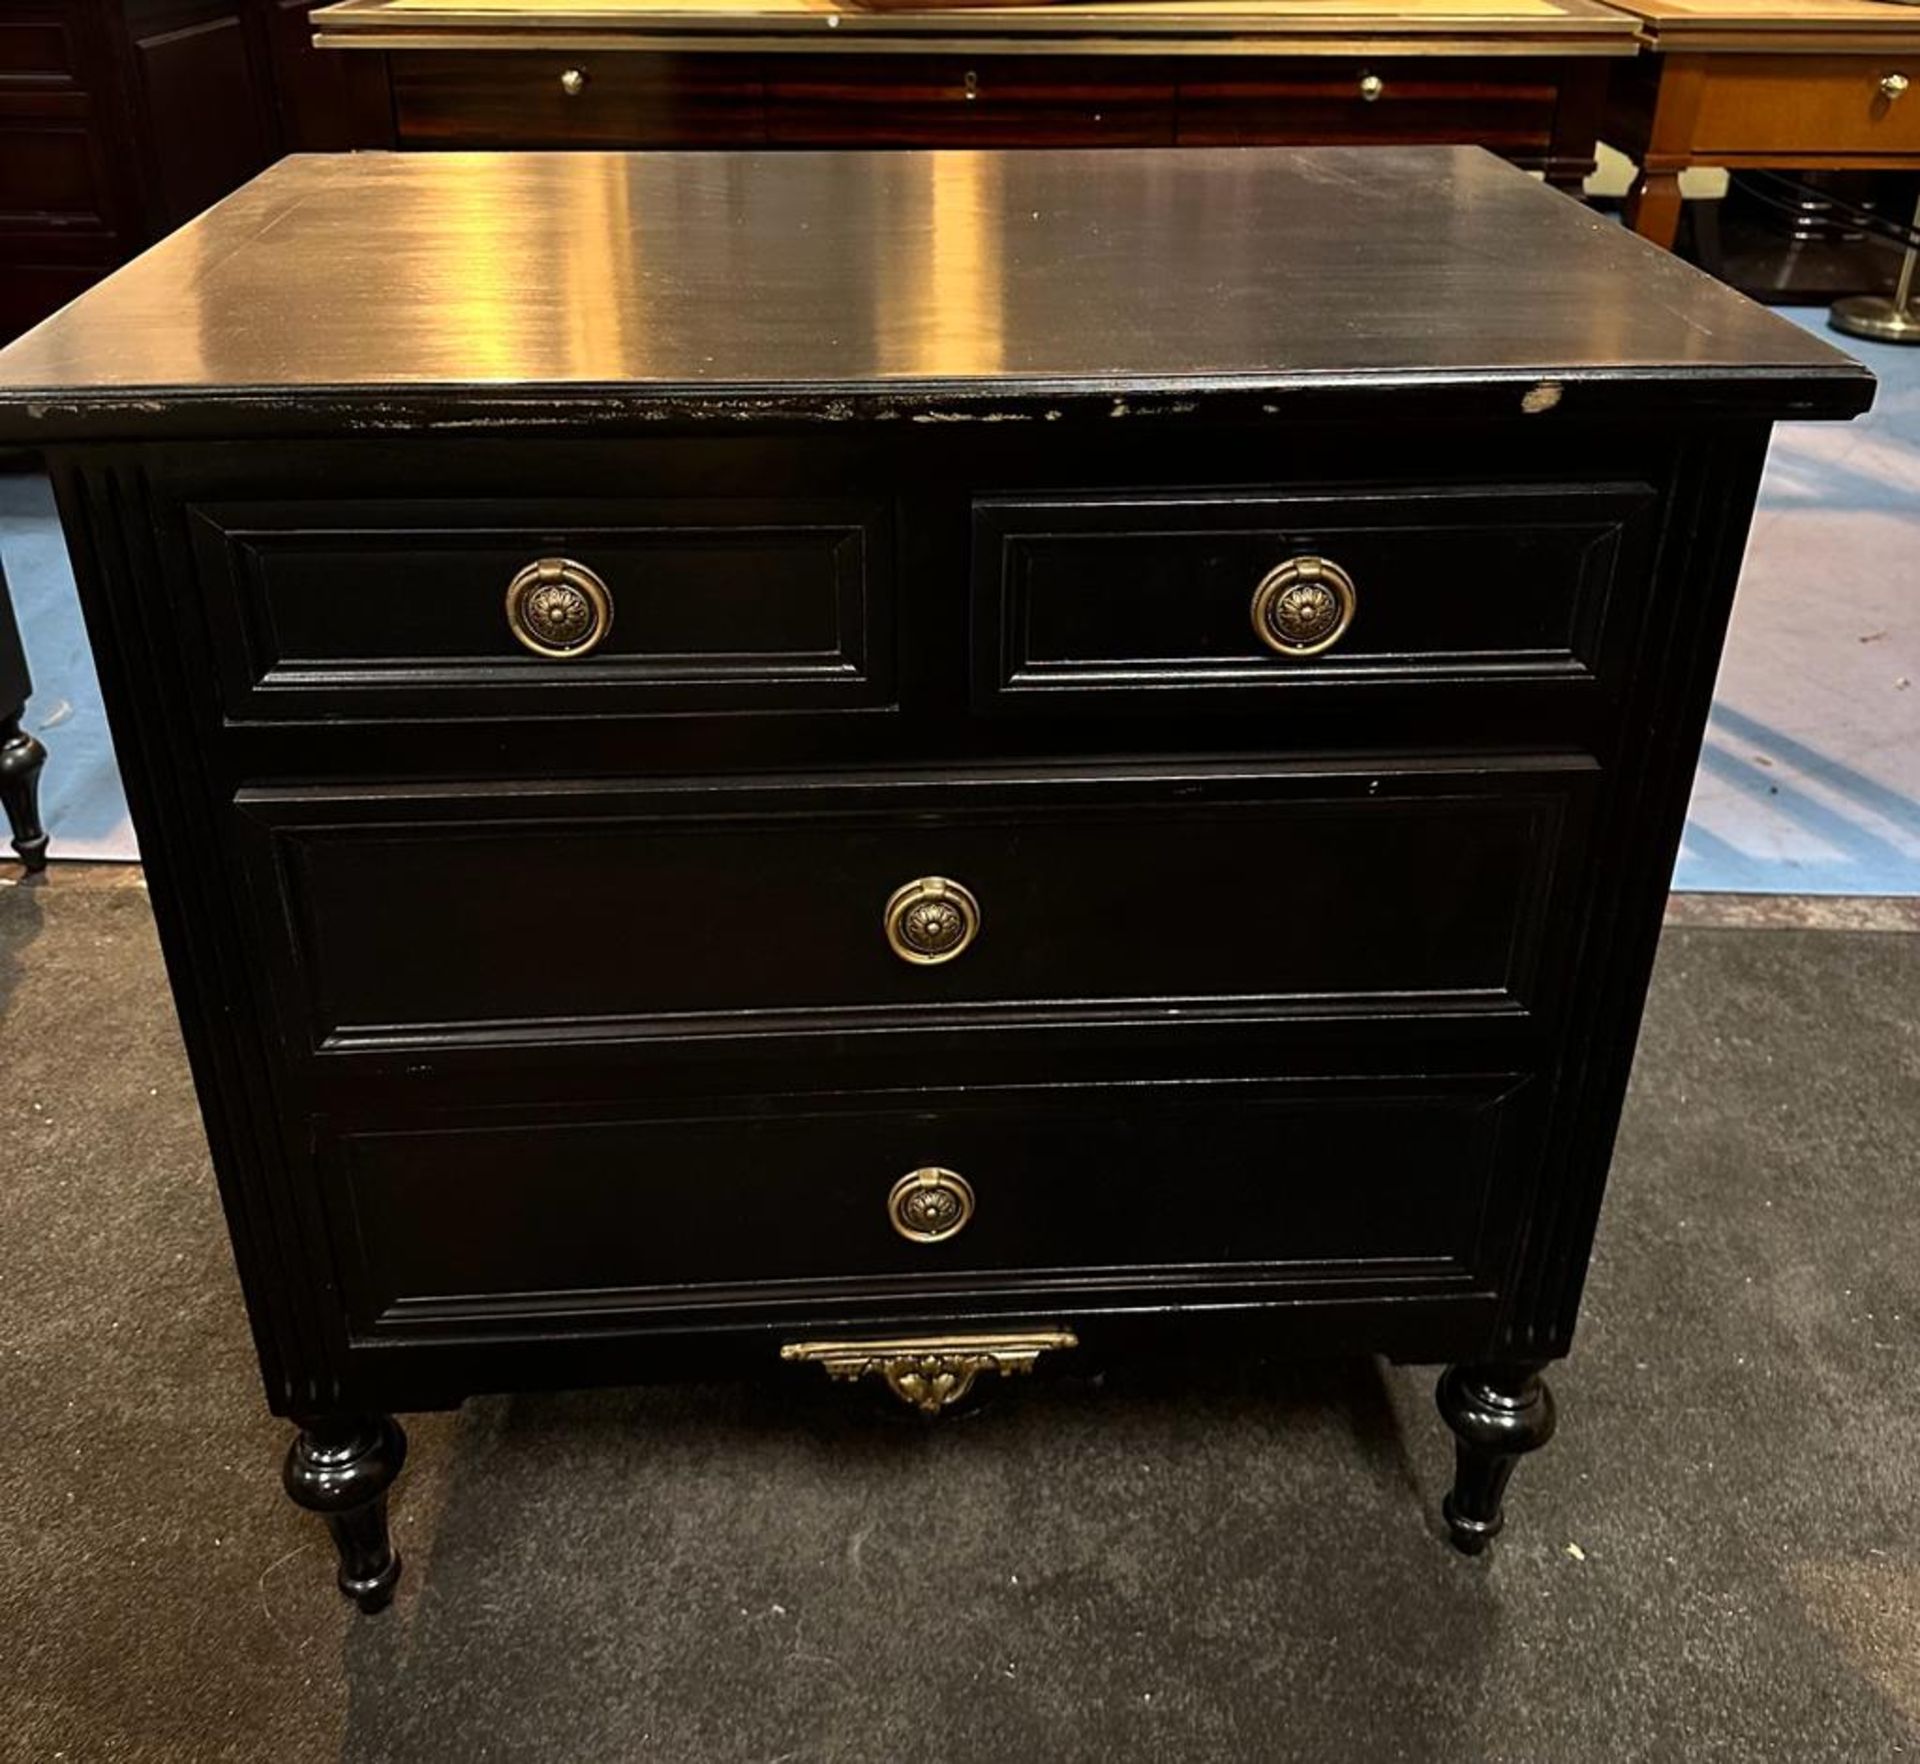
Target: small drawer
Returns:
[[391, 611], [1224, 601], [942, 101], [1088, 1196], [1816, 105], [477, 916], [1506, 107], [585, 99]]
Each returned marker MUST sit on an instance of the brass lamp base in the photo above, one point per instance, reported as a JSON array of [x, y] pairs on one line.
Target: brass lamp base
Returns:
[[1881, 320], [1876, 318]]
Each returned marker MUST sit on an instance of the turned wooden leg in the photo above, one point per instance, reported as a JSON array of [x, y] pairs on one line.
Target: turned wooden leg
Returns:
[[341, 1468], [21, 758], [1653, 207], [1498, 1415]]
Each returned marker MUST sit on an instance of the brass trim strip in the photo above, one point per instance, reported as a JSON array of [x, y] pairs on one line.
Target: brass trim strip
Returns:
[[869, 39], [911, 43], [1572, 27]]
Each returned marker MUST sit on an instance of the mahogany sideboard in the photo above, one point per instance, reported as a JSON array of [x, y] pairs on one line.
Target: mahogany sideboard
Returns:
[[1525, 78], [908, 763], [1751, 84]]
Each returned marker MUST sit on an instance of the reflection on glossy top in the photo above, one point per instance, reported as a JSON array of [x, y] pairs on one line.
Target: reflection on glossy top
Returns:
[[776, 271]]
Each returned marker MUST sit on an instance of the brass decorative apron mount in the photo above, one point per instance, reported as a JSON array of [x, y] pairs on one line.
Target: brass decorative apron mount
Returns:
[[931, 1372]]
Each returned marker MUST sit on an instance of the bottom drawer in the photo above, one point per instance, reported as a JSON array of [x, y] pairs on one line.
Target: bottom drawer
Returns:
[[1077, 1197]]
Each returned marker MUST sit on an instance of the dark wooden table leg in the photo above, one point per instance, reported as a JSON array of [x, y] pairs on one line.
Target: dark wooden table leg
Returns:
[[1498, 1414], [21, 758], [341, 1467], [1576, 124]]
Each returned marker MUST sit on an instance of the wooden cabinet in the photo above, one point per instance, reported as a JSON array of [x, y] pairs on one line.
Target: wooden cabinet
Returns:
[[120, 119], [66, 209], [196, 102]]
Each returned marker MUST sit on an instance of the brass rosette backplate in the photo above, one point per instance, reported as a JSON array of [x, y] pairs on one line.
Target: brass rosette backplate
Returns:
[[559, 609], [1303, 606]]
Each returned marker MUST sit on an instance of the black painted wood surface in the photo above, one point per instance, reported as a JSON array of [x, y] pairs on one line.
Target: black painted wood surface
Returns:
[[737, 289]]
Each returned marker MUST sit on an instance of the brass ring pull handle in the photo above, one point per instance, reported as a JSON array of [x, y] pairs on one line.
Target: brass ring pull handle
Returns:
[[1371, 88], [930, 1205], [931, 920], [573, 81], [1304, 606], [1895, 85], [559, 608]]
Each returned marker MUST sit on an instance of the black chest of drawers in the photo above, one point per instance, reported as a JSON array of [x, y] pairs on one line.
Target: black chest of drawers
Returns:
[[915, 763]]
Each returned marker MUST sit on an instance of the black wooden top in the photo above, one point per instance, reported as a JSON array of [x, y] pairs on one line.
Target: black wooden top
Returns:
[[374, 289]]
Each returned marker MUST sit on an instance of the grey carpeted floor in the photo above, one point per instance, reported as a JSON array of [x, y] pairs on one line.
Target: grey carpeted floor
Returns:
[[1716, 1559]]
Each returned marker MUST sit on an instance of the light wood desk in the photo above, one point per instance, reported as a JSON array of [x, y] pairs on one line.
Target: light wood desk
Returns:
[[1758, 83], [1525, 78]]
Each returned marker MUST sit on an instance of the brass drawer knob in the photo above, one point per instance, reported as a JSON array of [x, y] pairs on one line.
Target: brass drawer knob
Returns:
[[1894, 86], [931, 920], [573, 82], [1303, 606], [1371, 88], [930, 1205], [560, 608]]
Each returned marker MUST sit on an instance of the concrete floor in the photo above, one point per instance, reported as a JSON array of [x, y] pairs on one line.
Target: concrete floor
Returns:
[[1717, 1559], [1810, 781]]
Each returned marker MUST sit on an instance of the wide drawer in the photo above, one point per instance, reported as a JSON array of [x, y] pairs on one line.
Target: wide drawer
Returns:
[[1818, 105], [1073, 1195], [491, 914], [398, 609], [1188, 601]]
